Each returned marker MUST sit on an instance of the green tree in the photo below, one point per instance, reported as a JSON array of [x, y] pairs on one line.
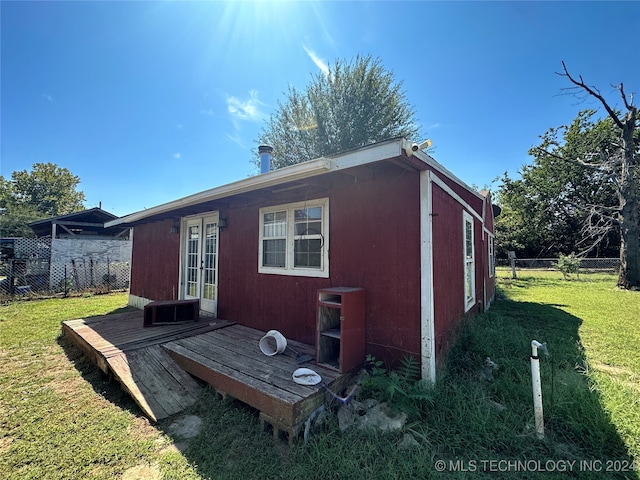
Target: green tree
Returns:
[[549, 210], [618, 162], [584, 182], [45, 191], [354, 105]]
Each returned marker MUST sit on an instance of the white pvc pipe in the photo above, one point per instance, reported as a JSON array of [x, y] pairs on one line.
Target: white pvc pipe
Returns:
[[537, 388]]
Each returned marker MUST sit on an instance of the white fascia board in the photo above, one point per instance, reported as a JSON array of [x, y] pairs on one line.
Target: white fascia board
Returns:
[[429, 160], [365, 155], [362, 156], [270, 179], [470, 210]]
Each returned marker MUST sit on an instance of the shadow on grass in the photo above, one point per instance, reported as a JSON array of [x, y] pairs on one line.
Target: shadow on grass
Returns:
[[577, 425]]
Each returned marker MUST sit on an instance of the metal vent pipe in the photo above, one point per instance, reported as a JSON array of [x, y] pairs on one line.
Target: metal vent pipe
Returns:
[[265, 158]]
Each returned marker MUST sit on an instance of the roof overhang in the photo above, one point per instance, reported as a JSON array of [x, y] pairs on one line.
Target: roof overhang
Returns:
[[396, 149]]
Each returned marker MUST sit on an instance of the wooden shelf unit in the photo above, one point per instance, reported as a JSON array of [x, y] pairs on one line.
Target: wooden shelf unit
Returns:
[[340, 336], [171, 312]]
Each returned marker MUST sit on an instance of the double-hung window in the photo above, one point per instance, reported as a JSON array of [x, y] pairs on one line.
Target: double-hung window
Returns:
[[294, 239], [469, 261]]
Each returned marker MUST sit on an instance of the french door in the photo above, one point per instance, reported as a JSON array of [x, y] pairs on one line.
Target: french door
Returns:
[[200, 261]]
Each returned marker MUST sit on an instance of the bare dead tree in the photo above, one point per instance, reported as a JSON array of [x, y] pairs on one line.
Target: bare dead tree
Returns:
[[621, 166]]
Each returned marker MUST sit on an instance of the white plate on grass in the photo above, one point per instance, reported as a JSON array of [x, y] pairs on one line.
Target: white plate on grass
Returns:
[[306, 376]]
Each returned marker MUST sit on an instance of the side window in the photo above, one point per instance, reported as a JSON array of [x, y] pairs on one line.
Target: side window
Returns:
[[469, 261], [492, 257]]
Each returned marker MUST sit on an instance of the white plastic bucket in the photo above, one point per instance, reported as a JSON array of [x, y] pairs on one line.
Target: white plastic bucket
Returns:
[[273, 343]]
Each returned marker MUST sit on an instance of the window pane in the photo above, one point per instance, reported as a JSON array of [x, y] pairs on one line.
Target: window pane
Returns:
[[468, 239], [274, 253], [275, 224], [308, 221], [307, 253], [468, 285]]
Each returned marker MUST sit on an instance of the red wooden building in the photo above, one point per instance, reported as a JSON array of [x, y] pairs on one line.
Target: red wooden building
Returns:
[[384, 218]]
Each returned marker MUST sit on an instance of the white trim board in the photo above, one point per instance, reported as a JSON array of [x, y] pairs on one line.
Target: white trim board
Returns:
[[427, 312]]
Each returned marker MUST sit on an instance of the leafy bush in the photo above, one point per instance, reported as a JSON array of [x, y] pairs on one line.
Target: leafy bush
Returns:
[[402, 389], [568, 265]]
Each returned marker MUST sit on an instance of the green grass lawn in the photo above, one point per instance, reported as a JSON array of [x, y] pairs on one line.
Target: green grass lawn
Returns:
[[61, 418]]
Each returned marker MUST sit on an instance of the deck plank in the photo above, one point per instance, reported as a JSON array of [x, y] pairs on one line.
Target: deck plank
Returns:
[[230, 360], [122, 372], [246, 356]]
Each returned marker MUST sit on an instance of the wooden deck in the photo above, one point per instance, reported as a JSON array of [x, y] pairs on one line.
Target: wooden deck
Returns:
[[152, 364], [230, 359], [120, 346]]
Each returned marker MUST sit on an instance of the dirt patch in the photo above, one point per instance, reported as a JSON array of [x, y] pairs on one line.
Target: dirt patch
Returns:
[[142, 472], [185, 427]]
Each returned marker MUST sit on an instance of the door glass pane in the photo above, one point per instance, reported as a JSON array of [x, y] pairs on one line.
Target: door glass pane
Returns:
[[193, 245], [210, 253]]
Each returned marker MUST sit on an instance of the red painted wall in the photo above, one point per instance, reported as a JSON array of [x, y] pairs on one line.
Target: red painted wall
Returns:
[[374, 232], [155, 261], [448, 267]]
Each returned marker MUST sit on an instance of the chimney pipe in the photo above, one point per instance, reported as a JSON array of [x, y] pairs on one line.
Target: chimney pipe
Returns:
[[265, 158]]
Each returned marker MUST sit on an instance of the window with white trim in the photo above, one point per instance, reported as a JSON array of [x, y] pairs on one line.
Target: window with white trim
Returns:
[[469, 261], [492, 256], [294, 239]]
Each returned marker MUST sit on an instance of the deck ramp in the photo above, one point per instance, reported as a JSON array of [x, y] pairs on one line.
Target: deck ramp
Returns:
[[120, 346], [156, 383]]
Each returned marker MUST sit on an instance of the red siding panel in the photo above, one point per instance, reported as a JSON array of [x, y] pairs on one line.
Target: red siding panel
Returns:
[[374, 244], [155, 261], [448, 268]]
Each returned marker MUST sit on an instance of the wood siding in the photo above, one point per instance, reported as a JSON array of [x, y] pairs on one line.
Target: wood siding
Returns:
[[155, 261], [374, 244]]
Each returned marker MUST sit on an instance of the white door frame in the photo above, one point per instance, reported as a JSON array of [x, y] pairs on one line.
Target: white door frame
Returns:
[[199, 260]]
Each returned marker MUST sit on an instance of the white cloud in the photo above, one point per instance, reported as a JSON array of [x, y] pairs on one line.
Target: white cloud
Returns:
[[179, 126], [237, 140], [245, 109], [177, 155], [206, 112], [48, 97], [435, 125], [320, 63]]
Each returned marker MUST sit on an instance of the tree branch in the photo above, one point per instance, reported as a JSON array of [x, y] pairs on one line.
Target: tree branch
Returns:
[[601, 167], [594, 93], [624, 97]]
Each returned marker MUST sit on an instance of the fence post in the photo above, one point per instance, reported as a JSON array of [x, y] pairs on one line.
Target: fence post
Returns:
[[512, 257]]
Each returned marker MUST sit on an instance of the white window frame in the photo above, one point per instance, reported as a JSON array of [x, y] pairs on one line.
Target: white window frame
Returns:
[[492, 255], [469, 262], [289, 268]]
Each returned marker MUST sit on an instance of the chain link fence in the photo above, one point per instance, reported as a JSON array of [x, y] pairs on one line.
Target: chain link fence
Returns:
[[38, 278], [44, 267], [587, 265]]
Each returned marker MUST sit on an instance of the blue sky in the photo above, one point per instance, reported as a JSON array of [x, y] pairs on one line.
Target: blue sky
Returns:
[[150, 101]]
